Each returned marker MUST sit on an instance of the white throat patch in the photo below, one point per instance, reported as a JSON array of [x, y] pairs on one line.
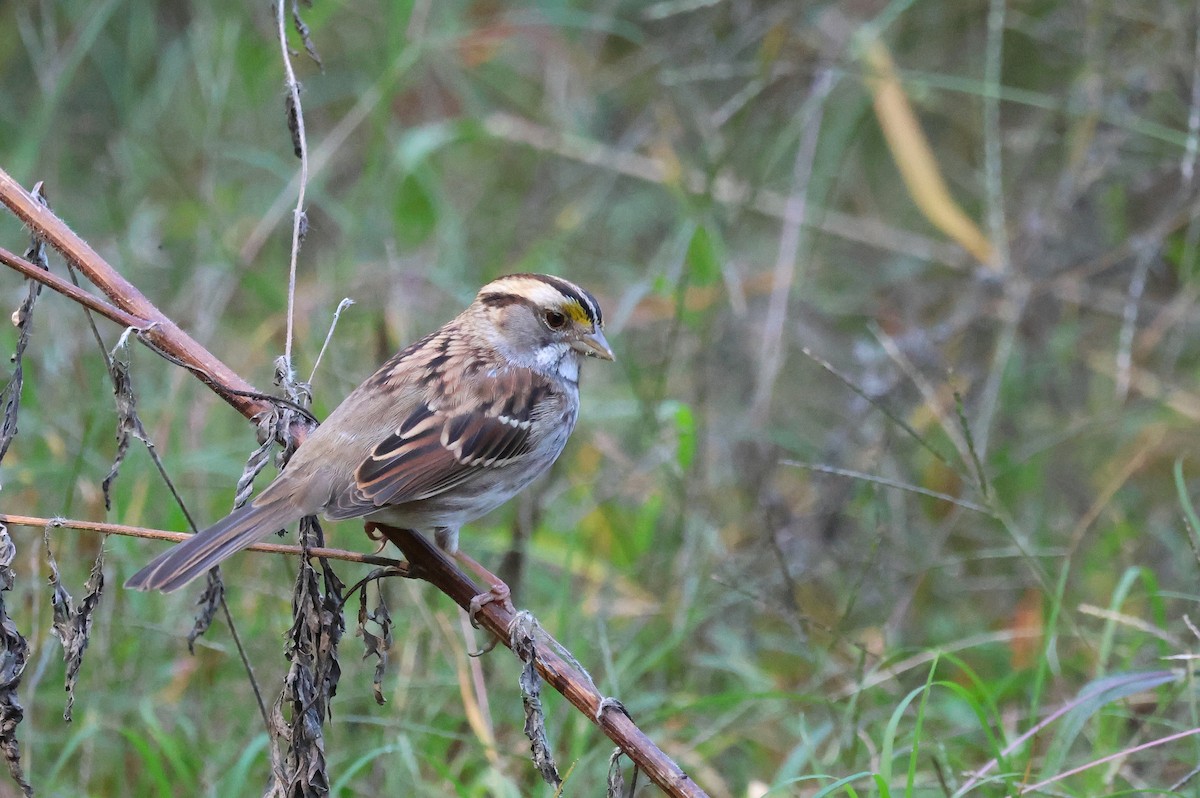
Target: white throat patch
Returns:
[[557, 359], [568, 367]]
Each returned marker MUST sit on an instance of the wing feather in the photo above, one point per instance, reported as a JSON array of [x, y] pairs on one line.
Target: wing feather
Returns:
[[448, 440]]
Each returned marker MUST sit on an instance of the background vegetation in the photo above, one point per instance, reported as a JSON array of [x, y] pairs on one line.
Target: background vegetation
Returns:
[[776, 629]]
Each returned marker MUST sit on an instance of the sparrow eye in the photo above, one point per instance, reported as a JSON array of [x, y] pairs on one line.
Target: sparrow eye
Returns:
[[555, 320]]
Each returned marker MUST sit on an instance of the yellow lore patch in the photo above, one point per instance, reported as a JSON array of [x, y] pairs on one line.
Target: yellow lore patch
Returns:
[[575, 312]]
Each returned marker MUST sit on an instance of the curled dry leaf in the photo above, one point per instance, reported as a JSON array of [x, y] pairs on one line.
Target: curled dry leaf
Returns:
[[128, 421], [523, 645], [73, 624], [373, 644], [616, 780], [312, 678], [305, 35], [14, 648], [208, 604], [22, 319], [14, 653]]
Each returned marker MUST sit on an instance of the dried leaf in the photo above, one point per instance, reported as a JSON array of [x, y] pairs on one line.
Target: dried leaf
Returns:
[[914, 158], [305, 36], [22, 319], [616, 780], [312, 678], [209, 602], [14, 653], [128, 422], [523, 645], [293, 121], [375, 645], [73, 624]]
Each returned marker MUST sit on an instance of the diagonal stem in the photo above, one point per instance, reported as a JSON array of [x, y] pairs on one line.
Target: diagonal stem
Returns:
[[156, 328], [434, 567]]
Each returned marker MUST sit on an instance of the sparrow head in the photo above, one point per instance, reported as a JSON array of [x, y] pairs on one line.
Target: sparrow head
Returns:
[[540, 318]]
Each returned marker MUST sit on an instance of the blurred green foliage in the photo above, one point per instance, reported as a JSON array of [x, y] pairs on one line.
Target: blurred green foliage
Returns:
[[772, 626]]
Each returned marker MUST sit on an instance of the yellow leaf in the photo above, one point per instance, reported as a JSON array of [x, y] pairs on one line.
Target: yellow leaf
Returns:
[[914, 158]]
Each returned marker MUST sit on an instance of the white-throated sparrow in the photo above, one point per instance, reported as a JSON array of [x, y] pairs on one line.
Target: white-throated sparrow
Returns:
[[451, 427]]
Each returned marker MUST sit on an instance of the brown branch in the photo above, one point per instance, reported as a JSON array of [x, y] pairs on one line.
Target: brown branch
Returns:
[[70, 290], [157, 329], [435, 568], [177, 537], [425, 560]]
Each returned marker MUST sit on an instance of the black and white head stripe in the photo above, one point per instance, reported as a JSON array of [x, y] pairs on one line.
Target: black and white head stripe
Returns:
[[543, 290]]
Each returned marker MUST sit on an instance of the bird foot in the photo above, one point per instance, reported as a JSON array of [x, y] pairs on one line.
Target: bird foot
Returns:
[[498, 592], [375, 534]]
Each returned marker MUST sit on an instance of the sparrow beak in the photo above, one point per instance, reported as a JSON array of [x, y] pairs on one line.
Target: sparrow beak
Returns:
[[594, 345]]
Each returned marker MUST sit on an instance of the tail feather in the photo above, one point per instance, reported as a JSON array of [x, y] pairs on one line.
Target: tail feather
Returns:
[[185, 561]]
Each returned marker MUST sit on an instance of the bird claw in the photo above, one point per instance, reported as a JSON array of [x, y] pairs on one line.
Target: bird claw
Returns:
[[498, 594], [374, 533]]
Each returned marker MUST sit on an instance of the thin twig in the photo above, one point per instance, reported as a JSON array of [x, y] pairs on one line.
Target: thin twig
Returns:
[[891, 483], [980, 475], [1073, 282], [1187, 165], [1044, 723], [70, 291], [919, 660], [299, 220], [245, 657], [330, 144], [178, 537], [1170, 738], [132, 308], [1132, 622], [1133, 298], [1012, 310], [337, 314], [928, 393], [888, 413]]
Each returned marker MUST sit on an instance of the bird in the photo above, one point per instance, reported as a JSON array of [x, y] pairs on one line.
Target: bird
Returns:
[[446, 430]]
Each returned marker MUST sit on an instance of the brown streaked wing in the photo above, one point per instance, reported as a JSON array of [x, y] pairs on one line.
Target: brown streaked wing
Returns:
[[434, 450]]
